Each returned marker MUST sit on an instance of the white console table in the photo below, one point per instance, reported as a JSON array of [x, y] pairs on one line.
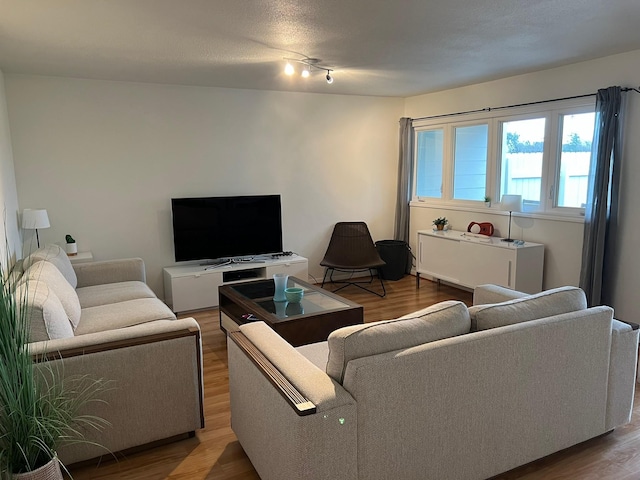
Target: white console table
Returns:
[[463, 259], [195, 286]]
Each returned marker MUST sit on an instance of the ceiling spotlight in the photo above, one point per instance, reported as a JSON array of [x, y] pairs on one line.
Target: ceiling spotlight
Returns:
[[329, 77], [305, 72], [288, 69]]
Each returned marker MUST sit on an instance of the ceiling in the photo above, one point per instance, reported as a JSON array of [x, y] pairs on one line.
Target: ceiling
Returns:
[[376, 47]]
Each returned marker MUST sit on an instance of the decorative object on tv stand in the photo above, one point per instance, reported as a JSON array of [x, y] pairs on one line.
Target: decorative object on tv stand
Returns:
[[440, 222], [72, 246], [308, 66], [35, 218], [280, 282], [511, 203]]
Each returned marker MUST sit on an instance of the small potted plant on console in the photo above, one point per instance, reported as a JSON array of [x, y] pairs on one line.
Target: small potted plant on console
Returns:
[[72, 246], [440, 222]]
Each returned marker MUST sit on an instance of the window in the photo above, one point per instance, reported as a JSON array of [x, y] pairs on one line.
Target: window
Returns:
[[470, 162], [429, 159], [521, 162], [575, 159], [542, 152]]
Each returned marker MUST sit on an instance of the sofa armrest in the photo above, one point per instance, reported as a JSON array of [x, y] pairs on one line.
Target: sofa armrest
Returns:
[[622, 373], [486, 294], [110, 271], [295, 398], [111, 339], [156, 373], [270, 427]]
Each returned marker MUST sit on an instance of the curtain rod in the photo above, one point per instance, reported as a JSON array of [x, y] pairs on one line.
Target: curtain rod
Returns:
[[488, 109]]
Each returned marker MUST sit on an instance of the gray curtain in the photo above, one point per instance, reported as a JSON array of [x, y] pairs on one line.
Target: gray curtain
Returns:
[[601, 212], [405, 174], [405, 182]]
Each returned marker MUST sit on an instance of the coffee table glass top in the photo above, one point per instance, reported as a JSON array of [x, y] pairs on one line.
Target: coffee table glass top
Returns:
[[315, 300]]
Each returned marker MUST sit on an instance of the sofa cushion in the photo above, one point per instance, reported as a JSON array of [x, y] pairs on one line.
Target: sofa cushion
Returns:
[[123, 314], [316, 353], [436, 322], [545, 304], [56, 255], [112, 293], [47, 317], [48, 273]]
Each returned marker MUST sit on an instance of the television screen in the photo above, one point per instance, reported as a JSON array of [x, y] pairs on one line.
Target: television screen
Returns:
[[212, 228]]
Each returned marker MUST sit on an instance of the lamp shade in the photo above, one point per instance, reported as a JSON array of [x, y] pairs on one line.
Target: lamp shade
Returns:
[[35, 218], [511, 203]]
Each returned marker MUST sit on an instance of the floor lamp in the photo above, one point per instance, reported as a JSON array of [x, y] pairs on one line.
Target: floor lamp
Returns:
[[33, 219], [511, 203]]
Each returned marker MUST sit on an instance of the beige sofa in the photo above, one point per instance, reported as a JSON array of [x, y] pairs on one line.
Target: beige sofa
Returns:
[[425, 397], [103, 320]]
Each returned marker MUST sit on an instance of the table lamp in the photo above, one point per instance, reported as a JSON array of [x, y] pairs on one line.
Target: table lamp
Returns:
[[33, 219], [511, 203]]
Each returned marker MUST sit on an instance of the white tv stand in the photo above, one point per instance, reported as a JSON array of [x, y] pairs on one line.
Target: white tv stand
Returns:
[[195, 286]]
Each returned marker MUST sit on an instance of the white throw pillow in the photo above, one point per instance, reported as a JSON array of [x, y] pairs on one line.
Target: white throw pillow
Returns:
[[48, 273], [443, 320], [541, 305], [57, 256], [47, 318]]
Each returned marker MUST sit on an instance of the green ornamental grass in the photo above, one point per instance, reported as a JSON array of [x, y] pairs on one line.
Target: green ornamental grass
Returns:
[[39, 406]]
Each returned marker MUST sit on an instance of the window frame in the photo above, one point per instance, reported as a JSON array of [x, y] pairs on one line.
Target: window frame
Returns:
[[552, 111]]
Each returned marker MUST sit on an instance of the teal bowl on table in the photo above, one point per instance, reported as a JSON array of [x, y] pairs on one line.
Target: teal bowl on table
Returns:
[[293, 294]]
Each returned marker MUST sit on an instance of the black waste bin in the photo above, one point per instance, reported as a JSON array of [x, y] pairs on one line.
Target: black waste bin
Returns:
[[397, 255]]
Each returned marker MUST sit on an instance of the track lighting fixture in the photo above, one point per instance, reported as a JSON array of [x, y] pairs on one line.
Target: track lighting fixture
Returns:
[[308, 65]]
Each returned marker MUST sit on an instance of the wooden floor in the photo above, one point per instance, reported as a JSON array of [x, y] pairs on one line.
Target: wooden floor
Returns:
[[214, 453]]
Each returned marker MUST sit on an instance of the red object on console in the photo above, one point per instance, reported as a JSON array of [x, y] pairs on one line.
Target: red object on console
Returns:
[[486, 228]]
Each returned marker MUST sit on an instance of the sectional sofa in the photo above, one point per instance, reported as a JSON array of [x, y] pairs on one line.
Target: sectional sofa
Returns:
[[101, 319], [448, 392]]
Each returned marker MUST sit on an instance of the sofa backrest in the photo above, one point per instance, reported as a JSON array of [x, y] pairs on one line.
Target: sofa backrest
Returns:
[[56, 255], [438, 321], [541, 305], [475, 405]]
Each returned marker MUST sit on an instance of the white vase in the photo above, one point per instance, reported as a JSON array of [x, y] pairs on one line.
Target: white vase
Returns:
[[49, 471], [72, 249]]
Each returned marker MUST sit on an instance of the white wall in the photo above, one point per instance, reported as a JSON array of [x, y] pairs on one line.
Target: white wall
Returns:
[[9, 230], [105, 158], [562, 239]]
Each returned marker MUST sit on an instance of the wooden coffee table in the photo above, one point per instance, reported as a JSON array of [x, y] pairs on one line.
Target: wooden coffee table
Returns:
[[312, 320]]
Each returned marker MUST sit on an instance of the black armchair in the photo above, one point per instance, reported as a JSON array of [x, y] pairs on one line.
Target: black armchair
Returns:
[[351, 249]]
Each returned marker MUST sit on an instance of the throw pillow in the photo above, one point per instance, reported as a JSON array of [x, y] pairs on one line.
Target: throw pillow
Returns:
[[56, 255], [47, 272], [47, 318], [545, 304], [439, 321]]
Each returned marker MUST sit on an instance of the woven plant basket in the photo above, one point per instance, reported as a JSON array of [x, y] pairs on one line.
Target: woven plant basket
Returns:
[[49, 471]]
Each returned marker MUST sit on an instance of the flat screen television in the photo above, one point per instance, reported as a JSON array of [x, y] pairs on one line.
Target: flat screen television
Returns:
[[212, 228]]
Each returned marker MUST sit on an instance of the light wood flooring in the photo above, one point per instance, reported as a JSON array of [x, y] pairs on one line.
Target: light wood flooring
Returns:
[[214, 453]]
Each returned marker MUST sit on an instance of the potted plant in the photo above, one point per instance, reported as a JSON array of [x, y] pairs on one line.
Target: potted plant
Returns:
[[72, 246], [487, 201], [440, 222], [39, 407]]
